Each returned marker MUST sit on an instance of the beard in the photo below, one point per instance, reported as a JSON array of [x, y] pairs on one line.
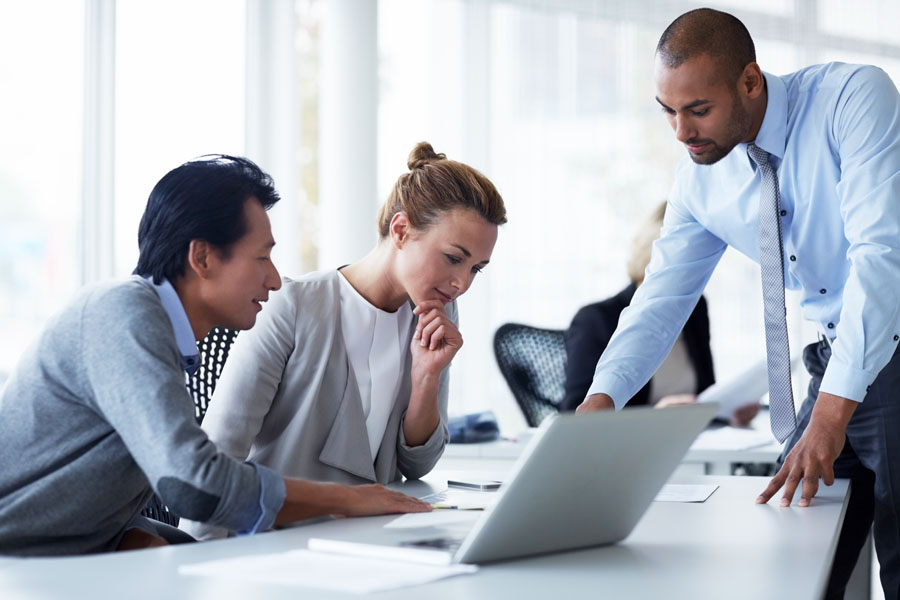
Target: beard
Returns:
[[737, 129]]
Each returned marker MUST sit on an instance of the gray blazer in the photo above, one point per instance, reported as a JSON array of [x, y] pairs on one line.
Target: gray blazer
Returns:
[[288, 398]]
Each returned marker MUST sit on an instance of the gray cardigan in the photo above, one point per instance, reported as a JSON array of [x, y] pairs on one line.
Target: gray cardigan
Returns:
[[95, 415], [287, 397]]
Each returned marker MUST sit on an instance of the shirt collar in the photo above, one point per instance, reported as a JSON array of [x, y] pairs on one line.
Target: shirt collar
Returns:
[[773, 131], [184, 334]]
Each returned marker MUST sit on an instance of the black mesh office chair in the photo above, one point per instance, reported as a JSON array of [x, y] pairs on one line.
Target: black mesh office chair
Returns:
[[533, 362], [214, 350]]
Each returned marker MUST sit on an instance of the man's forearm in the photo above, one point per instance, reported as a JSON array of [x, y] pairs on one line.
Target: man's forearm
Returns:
[[832, 412], [307, 499]]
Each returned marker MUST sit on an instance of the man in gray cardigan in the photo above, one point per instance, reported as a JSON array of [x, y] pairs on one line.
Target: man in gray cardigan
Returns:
[[96, 416]]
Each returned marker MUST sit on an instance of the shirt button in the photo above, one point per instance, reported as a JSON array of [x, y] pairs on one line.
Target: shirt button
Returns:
[[868, 387], [822, 291], [783, 213], [793, 257], [831, 326], [896, 337]]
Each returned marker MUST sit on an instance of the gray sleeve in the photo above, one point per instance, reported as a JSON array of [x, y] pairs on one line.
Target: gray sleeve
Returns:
[[133, 367], [416, 461]]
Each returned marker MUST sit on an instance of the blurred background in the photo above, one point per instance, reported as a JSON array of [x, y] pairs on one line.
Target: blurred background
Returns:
[[553, 100]]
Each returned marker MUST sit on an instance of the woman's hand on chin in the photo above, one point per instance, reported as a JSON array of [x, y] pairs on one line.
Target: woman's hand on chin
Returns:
[[436, 340]]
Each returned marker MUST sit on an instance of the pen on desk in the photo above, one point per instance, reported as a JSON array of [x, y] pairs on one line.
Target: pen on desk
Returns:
[[454, 507]]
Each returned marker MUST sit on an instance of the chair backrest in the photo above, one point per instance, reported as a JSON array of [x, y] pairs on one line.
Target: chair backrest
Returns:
[[214, 350], [533, 362]]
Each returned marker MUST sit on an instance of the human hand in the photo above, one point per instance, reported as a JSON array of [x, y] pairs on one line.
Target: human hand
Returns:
[[436, 339], [743, 415], [375, 499], [676, 400], [596, 402], [814, 454]]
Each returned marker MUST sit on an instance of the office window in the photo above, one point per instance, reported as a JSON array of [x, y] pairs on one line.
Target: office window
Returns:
[[40, 165], [179, 94]]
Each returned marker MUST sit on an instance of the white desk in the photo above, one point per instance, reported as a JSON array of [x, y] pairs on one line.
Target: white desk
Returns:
[[706, 461], [727, 547]]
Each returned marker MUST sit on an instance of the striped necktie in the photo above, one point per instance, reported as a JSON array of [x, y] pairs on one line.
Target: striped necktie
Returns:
[[771, 263]]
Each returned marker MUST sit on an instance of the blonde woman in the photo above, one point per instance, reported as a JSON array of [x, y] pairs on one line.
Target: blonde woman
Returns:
[[686, 371], [345, 378]]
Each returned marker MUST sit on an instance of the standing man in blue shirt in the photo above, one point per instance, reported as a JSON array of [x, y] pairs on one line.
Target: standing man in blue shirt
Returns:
[[832, 134]]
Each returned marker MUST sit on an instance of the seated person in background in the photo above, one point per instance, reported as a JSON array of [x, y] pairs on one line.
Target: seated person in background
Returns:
[[345, 378], [686, 371], [96, 416]]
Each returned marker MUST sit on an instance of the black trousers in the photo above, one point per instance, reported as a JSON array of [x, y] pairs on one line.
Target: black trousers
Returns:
[[871, 460]]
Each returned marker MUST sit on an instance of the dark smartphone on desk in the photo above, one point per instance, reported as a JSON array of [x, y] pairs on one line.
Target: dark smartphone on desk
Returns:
[[480, 485]]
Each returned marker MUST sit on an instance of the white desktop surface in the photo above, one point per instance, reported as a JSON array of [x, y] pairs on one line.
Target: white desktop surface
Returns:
[[727, 547], [714, 461]]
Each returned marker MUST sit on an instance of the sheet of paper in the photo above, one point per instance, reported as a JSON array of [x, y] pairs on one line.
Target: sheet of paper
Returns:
[[321, 570], [435, 518], [732, 438], [462, 499], [680, 492], [747, 388]]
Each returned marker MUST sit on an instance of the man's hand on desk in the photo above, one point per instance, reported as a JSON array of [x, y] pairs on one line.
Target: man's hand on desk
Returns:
[[814, 454], [596, 402], [306, 499]]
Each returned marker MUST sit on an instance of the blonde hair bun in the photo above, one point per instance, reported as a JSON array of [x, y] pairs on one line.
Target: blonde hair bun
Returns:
[[436, 185], [423, 154]]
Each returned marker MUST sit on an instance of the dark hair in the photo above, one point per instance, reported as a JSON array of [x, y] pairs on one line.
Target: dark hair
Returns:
[[717, 34], [203, 199], [435, 185]]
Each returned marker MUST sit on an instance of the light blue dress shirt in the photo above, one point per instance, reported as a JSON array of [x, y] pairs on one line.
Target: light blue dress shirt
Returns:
[[272, 491], [833, 132]]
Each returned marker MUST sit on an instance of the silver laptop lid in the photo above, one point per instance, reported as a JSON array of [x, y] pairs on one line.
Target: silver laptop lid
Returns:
[[584, 480]]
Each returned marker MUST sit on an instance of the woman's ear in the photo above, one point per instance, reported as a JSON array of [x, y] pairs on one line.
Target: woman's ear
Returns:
[[400, 229], [201, 257]]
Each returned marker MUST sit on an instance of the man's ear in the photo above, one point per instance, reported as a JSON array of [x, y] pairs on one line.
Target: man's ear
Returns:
[[400, 229], [201, 258], [752, 81]]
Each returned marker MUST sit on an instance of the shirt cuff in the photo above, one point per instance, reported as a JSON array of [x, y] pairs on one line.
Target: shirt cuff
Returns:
[[612, 387], [846, 381], [272, 493]]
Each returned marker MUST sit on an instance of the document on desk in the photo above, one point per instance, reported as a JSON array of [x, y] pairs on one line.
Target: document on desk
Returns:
[[732, 438], [322, 570], [435, 518], [450, 507], [680, 492]]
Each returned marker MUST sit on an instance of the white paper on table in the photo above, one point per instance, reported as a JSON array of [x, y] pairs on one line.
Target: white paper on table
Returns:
[[305, 568], [746, 388], [680, 492], [463, 499], [732, 438], [438, 517]]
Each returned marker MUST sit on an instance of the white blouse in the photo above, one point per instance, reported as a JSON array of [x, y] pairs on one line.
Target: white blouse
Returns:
[[376, 347]]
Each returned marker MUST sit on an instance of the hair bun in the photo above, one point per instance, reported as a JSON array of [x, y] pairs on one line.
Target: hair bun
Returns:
[[421, 155]]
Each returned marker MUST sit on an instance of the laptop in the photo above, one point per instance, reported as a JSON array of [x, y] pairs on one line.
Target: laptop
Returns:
[[583, 480]]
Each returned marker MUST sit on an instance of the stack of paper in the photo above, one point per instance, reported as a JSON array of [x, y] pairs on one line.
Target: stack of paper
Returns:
[[304, 568]]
